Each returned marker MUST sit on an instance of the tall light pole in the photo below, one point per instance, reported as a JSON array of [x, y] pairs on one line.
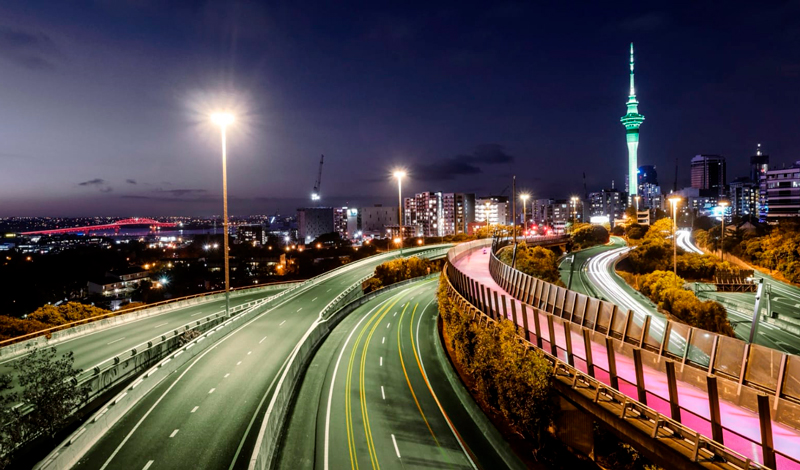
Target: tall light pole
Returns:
[[524, 198], [723, 204], [636, 198], [223, 120], [674, 201], [399, 174]]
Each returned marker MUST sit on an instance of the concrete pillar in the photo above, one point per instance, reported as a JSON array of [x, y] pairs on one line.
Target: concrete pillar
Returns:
[[713, 406], [537, 328], [568, 340], [672, 385], [612, 363], [637, 364], [587, 346], [525, 333], [765, 420]]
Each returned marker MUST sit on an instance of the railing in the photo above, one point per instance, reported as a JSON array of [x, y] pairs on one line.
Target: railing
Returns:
[[741, 372], [118, 313], [589, 374]]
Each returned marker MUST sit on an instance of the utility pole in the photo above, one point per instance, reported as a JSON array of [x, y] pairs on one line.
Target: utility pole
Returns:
[[514, 209]]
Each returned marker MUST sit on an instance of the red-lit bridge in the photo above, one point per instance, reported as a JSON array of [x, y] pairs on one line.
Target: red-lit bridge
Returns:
[[96, 228]]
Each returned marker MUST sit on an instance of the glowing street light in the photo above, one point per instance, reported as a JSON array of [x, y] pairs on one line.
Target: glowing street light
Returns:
[[636, 198], [400, 174], [723, 205], [674, 200], [223, 120], [524, 197]]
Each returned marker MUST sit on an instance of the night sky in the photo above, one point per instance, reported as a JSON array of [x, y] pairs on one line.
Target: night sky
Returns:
[[104, 105]]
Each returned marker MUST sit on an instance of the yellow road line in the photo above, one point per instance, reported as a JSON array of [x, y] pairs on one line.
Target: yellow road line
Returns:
[[402, 363], [351, 446]]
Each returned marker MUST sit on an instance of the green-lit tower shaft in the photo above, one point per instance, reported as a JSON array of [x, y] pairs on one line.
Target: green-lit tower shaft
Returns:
[[632, 121]]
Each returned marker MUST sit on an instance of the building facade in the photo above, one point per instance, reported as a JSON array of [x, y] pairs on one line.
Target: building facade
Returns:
[[313, 222], [781, 193], [607, 202], [493, 208], [375, 219], [708, 172]]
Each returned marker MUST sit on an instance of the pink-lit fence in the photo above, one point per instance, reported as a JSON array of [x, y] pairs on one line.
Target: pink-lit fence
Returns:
[[723, 388]]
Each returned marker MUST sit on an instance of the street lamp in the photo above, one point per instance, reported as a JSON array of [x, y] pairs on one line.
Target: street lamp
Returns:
[[524, 198], [399, 174], [574, 200], [674, 201], [722, 204], [223, 120], [636, 198]]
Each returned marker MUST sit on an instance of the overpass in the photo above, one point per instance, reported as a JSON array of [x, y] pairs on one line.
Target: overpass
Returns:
[[153, 224], [220, 386], [680, 395]]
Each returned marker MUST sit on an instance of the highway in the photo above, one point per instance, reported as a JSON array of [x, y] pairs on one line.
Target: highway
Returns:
[[784, 299], [94, 347], [381, 393], [207, 413]]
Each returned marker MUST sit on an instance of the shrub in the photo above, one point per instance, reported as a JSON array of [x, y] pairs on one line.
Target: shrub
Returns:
[[587, 235], [534, 261]]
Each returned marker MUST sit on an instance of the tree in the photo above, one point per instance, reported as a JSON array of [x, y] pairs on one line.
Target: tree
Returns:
[[49, 389], [534, 261], [586, 235], [636, 231]]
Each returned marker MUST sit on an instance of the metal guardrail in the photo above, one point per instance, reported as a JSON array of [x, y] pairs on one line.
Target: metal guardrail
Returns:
[[649, 421]]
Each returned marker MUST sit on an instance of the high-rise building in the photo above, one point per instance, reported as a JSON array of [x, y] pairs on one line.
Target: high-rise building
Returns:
[[781, 187], [541, 212], [493, 207], [650, 196], [313, 222], [759, 164], [439, 214], [458, 212], [708, 172], [375, 219], [647, 174], [347, 222], [744, 196], [632, 120], [607, 202]]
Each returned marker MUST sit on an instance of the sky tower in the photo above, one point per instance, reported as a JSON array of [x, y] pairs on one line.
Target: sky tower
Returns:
[[632, 120]]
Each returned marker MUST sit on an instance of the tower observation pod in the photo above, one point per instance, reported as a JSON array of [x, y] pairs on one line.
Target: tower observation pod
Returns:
[[632, 120]]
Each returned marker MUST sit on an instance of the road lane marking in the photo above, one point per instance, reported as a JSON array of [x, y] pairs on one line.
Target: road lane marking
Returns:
[[315, 298], [282, 323], [381, 361], [147, 465], [249, 352], [383, 394], [173, 433], [160, 324], [226, 375], [394, 441], [238, 363], [194, 409], [196, 314], [383, 340], [301, 308], [262, 340], [211, 391], [395, 314], [328, 290], [388, 324], [107, 344], [333, 382]]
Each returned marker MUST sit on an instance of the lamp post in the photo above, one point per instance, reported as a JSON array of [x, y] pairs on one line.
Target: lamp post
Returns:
[[574, 200], [674, 201], [223, 120], [399, 174], [524, 198], [636, 198], [722, 204]]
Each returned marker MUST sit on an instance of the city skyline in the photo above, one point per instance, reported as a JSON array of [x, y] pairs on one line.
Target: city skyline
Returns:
[[453, 107]]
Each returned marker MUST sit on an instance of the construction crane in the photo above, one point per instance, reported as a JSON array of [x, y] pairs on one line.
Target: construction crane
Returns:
[[315, 192]]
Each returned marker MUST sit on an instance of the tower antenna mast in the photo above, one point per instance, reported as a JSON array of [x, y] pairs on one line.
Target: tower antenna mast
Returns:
[[315, 194]]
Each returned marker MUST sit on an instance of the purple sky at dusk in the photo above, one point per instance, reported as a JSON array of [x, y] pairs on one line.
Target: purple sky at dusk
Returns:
[[104, 104]]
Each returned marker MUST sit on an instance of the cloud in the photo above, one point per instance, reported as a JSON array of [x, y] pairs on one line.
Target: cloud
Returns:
[[182, 192], [465, 164], [97, 183], [130, 181], [31, 50]]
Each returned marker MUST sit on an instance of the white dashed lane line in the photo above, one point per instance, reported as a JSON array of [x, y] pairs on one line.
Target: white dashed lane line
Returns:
[[194, 409], [115, 341], [161, 324], [262, 340], [383, 395], [211, 391], [173, 433], [282, 323], [147, 465]]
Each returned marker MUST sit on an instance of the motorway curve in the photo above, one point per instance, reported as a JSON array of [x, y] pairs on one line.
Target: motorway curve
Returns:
[[381, 393], [207, 413]]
